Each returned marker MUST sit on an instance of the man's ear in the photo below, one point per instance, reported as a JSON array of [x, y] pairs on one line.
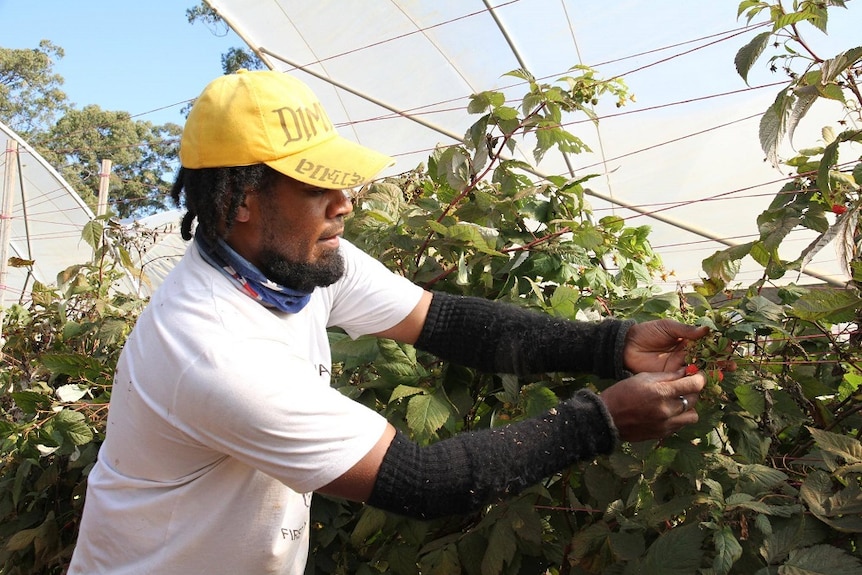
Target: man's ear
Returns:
[[248, 204]]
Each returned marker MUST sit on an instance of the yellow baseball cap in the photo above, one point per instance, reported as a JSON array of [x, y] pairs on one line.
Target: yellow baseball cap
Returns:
[[268, 117]]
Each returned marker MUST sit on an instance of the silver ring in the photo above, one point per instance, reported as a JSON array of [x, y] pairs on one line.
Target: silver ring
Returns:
[[684, 401]]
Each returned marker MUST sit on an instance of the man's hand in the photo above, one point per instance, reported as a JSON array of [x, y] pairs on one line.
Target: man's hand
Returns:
[[653, 405], [659, 345]]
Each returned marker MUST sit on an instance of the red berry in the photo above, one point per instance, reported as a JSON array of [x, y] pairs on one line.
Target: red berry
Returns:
[[839, 209], [691, 369], [717, 375]]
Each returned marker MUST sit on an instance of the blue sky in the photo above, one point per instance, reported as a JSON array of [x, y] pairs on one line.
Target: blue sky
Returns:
[[131, 56]]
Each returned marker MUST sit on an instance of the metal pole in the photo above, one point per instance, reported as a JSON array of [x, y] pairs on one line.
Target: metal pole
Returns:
[[6, 225]]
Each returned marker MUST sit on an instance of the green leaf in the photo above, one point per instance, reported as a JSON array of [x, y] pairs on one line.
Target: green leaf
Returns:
[[403, 391], [817, 492], [627, 546], [750, 399], [805, 98], [92, 233], [371, 521], [788, 19], [538, 399], [73, 365], [443, 561], [427, 413], [765, 478], [728, 550], [779, 543], [844, 446], [821, 560], [113, 330], [31, 401], [501, 549], [564, 302], [824, 182], [725, 264], [819, 304], [748, 54], [72, 426], [773, 125], [354, 352], [676, 552], [485, 100]]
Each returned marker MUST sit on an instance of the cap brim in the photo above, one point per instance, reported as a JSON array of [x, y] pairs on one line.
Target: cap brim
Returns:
[[334, 164]]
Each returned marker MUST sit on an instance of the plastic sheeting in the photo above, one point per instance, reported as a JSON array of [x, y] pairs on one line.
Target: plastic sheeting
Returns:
[[684, 158], [47, 218]]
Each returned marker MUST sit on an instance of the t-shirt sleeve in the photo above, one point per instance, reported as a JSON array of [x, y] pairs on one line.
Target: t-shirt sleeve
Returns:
[[273, 412], [369, 298]]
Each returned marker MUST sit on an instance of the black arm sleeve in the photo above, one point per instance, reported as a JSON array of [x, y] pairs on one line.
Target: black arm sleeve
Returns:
[[464, 472], [498, 337]]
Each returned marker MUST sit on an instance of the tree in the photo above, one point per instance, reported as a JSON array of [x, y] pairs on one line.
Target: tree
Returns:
[[75, 141], [235, 58], [142, 155], [30, 94]]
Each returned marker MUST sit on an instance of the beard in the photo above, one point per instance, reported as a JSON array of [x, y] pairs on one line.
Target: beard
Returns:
[[302, 276]]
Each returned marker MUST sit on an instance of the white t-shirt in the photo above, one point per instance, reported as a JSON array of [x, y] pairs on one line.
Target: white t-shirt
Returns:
[[222, 422]]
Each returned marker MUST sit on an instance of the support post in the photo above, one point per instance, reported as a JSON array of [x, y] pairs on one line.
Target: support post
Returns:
[[104, 182]]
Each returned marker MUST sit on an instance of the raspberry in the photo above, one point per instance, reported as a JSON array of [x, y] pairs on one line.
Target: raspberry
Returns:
[[691, 369], [838, 209]]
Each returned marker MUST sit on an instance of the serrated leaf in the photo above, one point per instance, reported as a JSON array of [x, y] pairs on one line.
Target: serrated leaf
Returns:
[[676, 552], [538, 399], [788, 19], [821, 560], [427, 413], [92, 233], [844, 446], [525, 520], [72, 425], [773, 126], [805, 98], [824, 303], [354, 352], [31, 401], [780, 542], [403, 391], [824, 182], [725, 264], [627, 546], [73, 365], [444, 561], [502, 545], [511, 387], [113, 330], [818, 244], [727, 549], [750, 399], [764, 477], [748, 54], [370, 522]]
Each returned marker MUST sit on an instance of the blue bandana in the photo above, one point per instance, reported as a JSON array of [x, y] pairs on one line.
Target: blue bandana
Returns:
[[249, 279]]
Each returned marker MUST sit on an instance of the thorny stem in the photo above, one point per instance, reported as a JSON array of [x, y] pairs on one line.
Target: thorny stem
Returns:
[[474, 181]]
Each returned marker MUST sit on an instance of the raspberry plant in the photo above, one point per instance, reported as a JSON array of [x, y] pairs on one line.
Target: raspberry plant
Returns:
[[767, 482]]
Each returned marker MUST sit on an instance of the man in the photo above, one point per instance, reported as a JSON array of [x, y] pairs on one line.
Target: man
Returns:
[[222, 419]]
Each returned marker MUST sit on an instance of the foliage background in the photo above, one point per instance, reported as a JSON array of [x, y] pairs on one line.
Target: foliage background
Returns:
[[767, 482]]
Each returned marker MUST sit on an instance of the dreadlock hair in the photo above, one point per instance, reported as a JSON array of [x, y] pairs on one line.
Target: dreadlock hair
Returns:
[[214, 195]]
